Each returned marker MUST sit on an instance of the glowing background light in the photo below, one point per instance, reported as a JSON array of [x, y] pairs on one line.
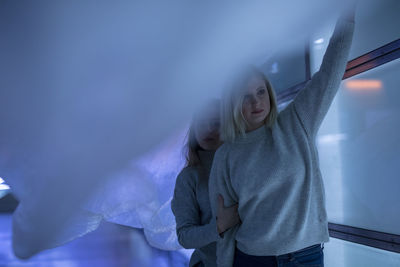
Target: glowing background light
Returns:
[[274, 68], [319, 41], [373, 85], [331, 138], [3, 186]]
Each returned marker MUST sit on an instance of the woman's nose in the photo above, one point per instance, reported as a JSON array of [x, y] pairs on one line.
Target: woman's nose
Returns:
[[254, 100], [213, 127]]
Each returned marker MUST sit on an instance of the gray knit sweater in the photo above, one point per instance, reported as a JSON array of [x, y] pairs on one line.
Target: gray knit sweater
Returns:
[[195, 226], [273, 173]]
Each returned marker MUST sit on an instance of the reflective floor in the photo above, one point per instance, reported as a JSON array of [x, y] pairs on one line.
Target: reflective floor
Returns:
[[339, 253], [113, 245], [110, 245]]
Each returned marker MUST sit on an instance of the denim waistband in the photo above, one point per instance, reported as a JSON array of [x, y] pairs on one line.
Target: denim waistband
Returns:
[[302, 252]]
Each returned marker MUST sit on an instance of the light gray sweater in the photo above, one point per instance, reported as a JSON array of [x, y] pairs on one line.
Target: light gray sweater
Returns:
[[195, 226], [273, 173]]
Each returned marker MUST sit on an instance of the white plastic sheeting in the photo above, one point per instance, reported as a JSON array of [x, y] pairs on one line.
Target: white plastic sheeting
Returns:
[[140, 195]]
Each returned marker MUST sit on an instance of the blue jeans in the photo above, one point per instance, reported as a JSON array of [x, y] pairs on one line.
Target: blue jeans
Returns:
[[309, 257]]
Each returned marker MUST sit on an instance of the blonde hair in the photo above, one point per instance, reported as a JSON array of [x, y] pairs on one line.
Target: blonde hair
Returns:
[[192, 147], [233, 123]]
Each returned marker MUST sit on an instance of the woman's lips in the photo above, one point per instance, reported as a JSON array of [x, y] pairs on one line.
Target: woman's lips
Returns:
[[257, 111]]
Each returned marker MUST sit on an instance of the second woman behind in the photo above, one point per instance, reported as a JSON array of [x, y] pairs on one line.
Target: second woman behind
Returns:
[[195, 226]]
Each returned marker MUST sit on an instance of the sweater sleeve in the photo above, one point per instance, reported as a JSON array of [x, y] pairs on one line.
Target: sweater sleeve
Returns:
[[312, 103], [219, 183], [190, 232]]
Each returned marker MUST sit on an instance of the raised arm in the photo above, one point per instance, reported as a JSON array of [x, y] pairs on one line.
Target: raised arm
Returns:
[[219, 184], [191, 234], [312, 103]]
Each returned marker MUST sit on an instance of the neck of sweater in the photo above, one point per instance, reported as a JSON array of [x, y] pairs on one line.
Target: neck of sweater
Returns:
[[252, 135], [206, 158]]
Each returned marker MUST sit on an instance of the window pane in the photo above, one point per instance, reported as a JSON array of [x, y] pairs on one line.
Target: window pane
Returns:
[[378, 23], [286, 69], [359, 149]]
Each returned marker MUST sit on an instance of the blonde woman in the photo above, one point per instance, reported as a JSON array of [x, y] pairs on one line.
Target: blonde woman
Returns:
[[269, 166], [195, 226]]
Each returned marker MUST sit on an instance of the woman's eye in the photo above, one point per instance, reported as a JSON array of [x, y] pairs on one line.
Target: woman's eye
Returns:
[[261, 92]]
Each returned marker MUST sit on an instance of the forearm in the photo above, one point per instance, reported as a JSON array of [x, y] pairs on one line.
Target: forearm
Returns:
[[197, 236], [226, 248], [336, 55], [313, 102]]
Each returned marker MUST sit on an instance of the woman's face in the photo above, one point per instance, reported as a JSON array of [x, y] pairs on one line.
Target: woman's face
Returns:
[[207, 129], [256, 103]]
